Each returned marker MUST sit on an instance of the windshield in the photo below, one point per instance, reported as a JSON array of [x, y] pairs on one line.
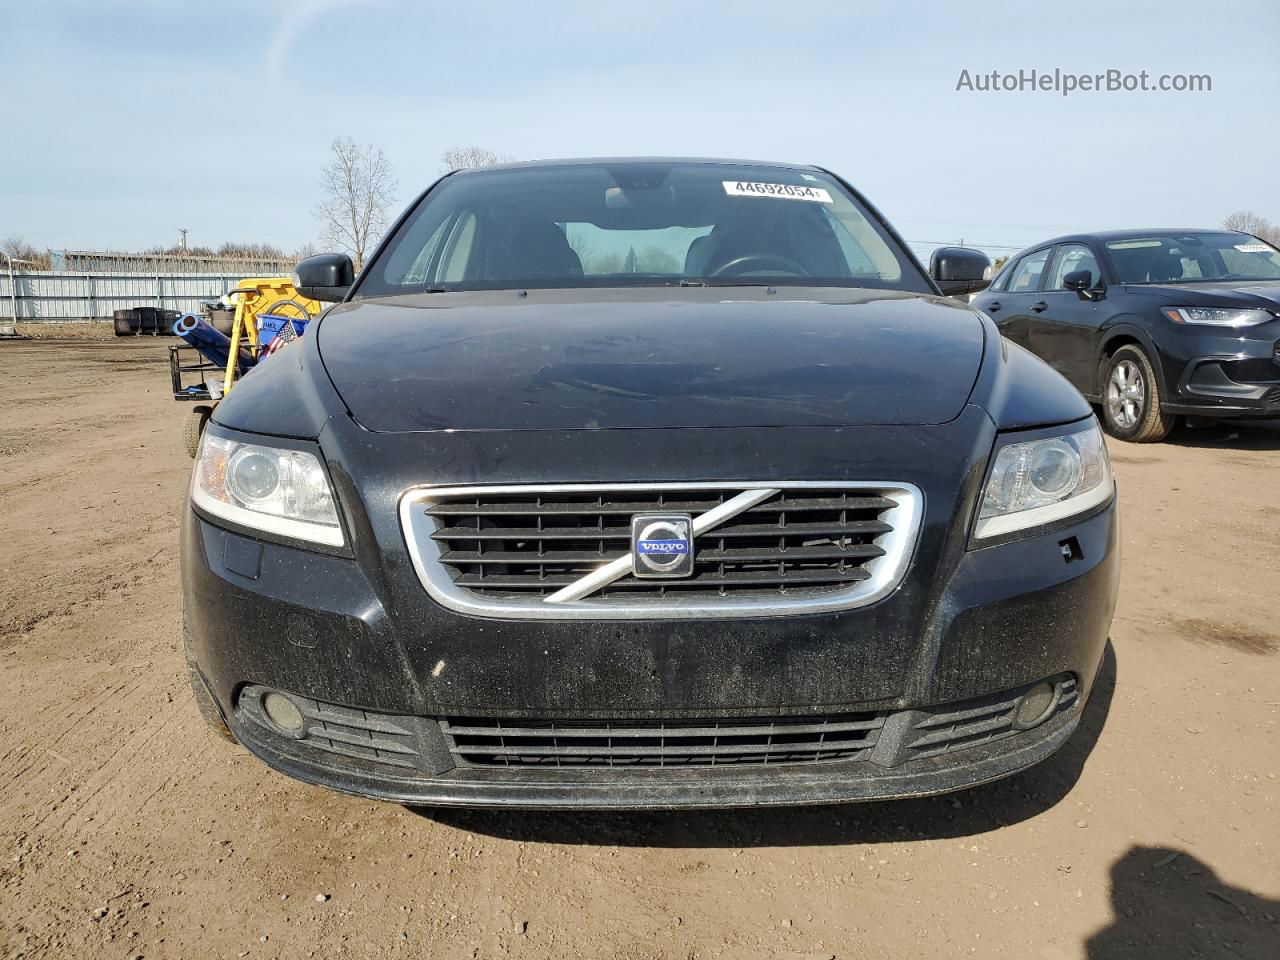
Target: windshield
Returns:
[[638, 224], [1193, 257]]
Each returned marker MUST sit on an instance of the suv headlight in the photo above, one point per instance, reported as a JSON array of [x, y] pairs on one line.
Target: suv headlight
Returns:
[[285, 492], [1038, 482], [1217, 316]]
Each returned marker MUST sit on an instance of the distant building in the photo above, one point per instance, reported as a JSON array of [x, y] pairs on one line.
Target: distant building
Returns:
[[86, 261]]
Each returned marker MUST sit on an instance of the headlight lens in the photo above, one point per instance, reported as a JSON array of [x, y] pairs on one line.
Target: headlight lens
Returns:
[[285, 492], [1035, 482], [1217, 316]]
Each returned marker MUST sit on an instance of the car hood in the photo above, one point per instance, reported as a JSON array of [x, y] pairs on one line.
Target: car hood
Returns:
[[1224, 293], [667, 358]]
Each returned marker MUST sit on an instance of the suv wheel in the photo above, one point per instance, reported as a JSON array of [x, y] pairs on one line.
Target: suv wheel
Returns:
[[1131, 398]]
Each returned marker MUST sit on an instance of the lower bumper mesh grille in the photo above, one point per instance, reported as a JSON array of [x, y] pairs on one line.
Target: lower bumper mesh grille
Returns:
[[972, 723], [347, 731], [424, 746], [661, 743]]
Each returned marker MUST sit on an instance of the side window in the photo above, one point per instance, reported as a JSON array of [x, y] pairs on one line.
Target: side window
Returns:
[[859, 263], [1002, 277], [1026, 275], [417, 271], [1072, 257], [457, 252]]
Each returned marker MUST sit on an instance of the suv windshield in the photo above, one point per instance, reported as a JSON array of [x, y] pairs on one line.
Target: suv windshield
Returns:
[[1193, 257], [638, 223]]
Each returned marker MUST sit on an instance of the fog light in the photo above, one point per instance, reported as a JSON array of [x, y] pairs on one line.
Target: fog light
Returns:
[[1034, 706], [281, 711]]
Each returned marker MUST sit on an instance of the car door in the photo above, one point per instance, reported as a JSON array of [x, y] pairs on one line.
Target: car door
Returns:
[[1011, 309], [1062, 328]]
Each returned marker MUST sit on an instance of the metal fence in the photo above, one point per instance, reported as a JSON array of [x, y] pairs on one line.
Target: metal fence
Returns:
[[54, 296], [149, 264]]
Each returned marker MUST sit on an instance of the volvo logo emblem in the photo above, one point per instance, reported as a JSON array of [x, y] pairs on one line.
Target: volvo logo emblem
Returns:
[[661, 545]]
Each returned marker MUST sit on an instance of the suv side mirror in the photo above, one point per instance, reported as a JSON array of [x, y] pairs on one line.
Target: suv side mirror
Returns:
[[326, 276], [1081, 281], [958, 270]]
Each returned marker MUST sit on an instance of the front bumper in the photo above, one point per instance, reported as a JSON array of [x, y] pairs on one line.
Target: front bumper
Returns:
[[678, 788], [1224, 374], [364, 637]]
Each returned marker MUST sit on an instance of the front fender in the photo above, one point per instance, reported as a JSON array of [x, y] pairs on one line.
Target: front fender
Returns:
[[1127, 327], [1019, 390]]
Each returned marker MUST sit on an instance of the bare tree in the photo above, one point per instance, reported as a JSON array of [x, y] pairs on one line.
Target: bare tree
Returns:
[[19, 249], [464, 158], [1246, 221], [358, 189]]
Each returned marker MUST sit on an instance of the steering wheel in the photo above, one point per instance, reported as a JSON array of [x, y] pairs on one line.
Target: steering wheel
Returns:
[[758, 261]]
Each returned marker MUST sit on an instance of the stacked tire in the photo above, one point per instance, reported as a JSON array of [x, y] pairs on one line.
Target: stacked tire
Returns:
[[125, 322], [138, 320]]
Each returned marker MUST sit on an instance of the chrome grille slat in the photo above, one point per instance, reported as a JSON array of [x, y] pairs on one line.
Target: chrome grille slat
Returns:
[[541, 552], [697, 581], [552, 508]]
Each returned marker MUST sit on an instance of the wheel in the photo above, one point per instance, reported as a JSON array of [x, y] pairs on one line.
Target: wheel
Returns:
[[193, 427], [1131, 398], [200, 693]]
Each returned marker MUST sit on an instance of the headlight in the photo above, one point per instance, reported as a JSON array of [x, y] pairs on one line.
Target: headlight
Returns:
[[285, 492], [1035, 482], [1217, 316]]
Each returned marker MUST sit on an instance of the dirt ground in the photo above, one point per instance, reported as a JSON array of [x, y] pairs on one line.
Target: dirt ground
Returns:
[[126, 830]]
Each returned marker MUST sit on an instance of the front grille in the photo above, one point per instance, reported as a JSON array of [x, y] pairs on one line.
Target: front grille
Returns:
[[661, 743], [509, 549]]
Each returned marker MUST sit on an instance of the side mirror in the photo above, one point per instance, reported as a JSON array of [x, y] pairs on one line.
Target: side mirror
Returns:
[[958, 270], [327, 277], [1078, 280], [1081, 281]]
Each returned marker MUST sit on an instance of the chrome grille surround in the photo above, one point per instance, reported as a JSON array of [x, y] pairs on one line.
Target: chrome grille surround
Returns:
[[882, 573]]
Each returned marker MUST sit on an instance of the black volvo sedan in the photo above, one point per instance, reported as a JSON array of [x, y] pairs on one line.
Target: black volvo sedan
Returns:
[[1151, 324], [648, 483]]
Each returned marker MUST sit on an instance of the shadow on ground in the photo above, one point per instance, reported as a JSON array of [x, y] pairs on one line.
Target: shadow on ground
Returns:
[[1229, 435], [981, 809], [1167, 903]]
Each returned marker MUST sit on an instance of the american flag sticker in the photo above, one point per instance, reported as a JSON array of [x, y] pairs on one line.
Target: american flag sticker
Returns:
[[286, 336]]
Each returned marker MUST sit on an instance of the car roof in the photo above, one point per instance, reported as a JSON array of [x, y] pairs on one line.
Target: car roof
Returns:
[[1105, 235], [585, 161]]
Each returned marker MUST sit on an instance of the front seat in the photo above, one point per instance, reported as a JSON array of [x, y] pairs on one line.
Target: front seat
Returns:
[[1164, 268], [536, 250]]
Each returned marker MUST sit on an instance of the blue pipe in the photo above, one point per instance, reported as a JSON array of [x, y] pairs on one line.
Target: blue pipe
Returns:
[[212, 345]]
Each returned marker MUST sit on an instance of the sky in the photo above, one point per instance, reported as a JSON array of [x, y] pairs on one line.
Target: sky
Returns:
[[127, 120]]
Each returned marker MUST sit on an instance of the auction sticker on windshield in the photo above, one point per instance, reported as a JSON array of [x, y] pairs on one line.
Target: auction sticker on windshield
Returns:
[[787, 191]]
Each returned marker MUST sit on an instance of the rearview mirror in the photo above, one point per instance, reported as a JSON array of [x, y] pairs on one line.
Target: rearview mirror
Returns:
[[327, 277], [958, 270]]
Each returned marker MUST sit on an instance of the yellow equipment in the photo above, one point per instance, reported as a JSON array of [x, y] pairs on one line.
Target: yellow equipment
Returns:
[[258, 296]]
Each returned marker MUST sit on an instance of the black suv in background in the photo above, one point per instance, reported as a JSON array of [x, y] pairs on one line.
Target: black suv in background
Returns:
[[1150, 323]]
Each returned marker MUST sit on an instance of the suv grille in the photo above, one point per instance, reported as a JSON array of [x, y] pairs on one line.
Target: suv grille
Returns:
[[661, 743], [511, 548]]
